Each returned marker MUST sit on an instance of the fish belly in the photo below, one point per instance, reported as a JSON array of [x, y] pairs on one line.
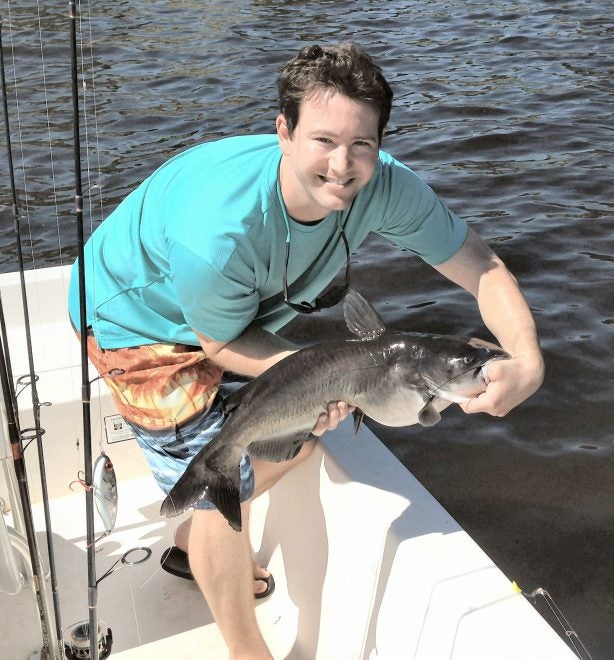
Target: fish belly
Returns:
[[397, 406]]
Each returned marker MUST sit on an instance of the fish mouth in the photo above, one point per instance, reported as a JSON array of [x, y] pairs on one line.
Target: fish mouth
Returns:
[[478, 375]]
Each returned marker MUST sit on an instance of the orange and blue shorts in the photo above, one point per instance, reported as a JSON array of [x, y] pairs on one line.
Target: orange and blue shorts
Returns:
[[171, 397]]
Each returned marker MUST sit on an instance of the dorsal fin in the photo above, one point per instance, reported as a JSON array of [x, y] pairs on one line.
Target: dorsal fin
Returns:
[[361, 319]]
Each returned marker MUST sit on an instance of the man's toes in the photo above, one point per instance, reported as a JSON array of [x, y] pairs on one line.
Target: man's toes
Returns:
[[260, 586], [260, 572]]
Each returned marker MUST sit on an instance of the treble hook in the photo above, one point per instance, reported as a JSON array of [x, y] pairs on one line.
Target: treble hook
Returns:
[[81, 481]]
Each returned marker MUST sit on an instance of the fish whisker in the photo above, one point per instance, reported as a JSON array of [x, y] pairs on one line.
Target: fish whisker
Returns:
[[437, 388]]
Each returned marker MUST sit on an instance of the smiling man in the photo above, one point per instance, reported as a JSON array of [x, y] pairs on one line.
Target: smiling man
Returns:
[[189, 279], [330, 155]]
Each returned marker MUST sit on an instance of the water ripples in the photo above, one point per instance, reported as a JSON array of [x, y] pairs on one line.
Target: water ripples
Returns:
[[505, 108]]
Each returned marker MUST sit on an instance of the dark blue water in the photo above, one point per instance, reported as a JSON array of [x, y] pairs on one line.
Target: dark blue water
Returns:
[[504, 107]]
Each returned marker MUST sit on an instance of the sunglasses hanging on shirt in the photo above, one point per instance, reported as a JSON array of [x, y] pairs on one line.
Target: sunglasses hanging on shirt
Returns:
[[329, 298]]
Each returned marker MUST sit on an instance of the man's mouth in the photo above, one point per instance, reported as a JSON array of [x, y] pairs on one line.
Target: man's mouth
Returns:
[[335, 182]]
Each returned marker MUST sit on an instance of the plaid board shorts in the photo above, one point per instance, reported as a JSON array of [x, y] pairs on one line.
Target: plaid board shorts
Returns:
[[169, 451], [170, 395]]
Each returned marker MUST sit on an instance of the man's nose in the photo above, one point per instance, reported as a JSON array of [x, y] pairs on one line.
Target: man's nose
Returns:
[[341, 159]]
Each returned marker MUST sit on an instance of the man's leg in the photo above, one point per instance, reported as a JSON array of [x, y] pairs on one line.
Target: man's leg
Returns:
[[266, 474], [221, 562]]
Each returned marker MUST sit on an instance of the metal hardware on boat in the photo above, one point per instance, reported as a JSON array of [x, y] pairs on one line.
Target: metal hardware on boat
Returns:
[[10, 578]]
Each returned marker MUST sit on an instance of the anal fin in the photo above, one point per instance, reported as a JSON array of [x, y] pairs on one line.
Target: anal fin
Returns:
[[278, 450]]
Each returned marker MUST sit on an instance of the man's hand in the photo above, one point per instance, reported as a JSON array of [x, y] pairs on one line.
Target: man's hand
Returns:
[[337, 411], [506, 313], [510, 382]]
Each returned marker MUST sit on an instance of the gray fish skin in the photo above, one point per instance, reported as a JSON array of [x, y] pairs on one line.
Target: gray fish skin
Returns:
[[396, 379]]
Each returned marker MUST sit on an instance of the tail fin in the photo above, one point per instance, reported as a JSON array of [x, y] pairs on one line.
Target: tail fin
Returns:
[[203, 481]]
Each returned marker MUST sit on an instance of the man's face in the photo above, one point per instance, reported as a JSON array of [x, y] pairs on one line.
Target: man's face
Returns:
[[330, 156]]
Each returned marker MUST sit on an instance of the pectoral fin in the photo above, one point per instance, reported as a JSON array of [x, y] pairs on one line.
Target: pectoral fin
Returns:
[[429, 416]]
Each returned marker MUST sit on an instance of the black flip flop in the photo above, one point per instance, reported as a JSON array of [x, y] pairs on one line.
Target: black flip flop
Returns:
[[175, 562]]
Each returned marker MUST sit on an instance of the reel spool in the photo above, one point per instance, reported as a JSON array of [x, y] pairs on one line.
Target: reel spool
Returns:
[[77, 641]]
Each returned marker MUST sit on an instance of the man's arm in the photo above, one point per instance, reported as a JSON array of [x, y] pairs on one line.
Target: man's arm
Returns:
[[504, 310], [255, 351], [250, 354]]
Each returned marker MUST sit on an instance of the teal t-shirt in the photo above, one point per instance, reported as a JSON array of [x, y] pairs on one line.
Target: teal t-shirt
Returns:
[[200, 245]]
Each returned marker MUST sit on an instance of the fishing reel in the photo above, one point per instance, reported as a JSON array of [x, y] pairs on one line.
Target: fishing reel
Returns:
[[77, 637], [77, 641]]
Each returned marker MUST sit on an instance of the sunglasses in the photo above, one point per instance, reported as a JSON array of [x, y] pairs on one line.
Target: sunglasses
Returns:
[[329, 298]]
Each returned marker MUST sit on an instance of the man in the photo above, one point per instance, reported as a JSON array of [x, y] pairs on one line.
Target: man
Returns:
[[195, 271]]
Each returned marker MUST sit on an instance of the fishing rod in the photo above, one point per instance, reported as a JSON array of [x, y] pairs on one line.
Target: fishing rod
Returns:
[[35, 432], [92, 591], [51, 648], [570, 634]]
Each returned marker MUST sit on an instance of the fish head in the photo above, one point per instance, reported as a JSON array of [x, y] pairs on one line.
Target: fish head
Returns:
[[453, 368]]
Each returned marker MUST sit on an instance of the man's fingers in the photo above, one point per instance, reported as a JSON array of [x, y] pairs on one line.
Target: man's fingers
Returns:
[[492, 401], [335, 413]]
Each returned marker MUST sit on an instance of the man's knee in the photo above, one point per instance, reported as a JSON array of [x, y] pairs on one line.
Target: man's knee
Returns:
[[207, 524]]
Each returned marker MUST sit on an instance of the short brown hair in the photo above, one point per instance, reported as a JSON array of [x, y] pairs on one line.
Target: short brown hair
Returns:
[[344, 68]]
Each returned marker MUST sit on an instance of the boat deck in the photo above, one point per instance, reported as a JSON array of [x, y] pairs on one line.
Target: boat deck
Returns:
[[368, 566], [365, 569]]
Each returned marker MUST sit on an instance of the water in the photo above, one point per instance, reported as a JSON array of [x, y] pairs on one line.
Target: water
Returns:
[[504, 107]]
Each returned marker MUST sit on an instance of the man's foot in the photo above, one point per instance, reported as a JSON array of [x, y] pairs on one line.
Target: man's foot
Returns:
[[265, 584], [175, 561]]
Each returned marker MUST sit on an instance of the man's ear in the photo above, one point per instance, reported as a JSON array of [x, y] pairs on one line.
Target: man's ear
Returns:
[[282, 132]]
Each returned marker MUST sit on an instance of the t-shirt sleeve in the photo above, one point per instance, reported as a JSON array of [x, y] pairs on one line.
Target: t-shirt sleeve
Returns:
[[217, 302], [415, 218]]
